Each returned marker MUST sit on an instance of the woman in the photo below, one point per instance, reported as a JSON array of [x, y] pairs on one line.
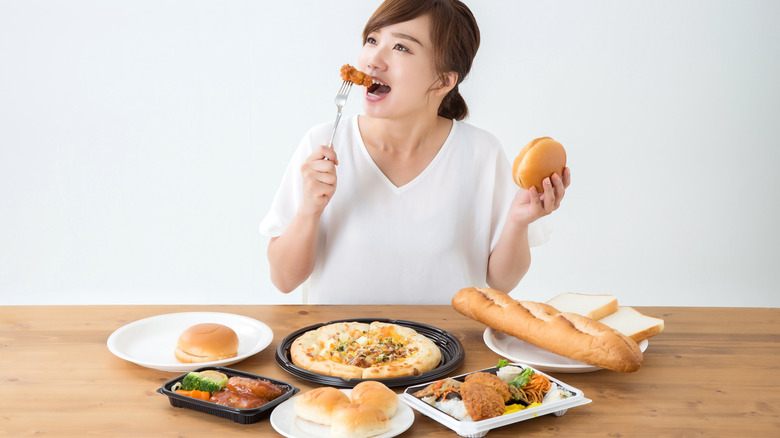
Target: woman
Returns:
[[411, 204]]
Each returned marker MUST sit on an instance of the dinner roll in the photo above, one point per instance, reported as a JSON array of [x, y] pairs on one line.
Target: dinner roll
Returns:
[[375, 394], [358, 421], [205, 343], [318, 405]]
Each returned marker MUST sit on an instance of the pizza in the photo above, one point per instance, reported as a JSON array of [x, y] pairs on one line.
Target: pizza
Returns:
[[356, 350]]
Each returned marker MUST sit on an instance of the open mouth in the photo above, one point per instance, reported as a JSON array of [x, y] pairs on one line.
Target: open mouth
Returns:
[[378, 88]]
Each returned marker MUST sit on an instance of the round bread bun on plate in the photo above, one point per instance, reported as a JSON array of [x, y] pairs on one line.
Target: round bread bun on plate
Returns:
[[319, 405], [358, 421], [538, 160], [375, 394], [206, 342]]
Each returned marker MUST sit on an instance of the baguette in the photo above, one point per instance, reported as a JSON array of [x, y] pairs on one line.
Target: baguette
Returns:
[[563, 333]]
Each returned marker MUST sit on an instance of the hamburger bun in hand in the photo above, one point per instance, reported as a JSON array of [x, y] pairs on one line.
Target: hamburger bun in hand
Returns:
[[206, 343], [539, 159]]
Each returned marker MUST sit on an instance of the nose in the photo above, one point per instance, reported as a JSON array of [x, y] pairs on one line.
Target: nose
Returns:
[[374, 63], [375, 60]]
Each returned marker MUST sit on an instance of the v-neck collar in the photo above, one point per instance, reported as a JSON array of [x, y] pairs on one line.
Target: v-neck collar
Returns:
[[421, 175]]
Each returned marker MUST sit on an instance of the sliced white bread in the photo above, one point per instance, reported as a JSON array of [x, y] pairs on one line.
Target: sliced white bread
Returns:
[[634, 324], [592, 306]]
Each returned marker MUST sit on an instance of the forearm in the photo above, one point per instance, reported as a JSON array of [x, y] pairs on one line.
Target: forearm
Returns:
[[510, 259], [291, 256]]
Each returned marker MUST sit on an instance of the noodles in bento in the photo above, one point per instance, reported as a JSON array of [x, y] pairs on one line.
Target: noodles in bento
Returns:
[[535, 389]]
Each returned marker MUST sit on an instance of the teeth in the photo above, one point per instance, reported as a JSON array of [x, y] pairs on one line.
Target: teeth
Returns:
[[378, 82]]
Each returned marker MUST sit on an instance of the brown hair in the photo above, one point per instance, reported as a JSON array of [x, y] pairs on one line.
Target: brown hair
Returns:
[[455, 37]]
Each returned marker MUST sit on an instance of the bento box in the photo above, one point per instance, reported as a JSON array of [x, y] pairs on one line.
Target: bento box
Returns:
[[243, 416], [561, 397]]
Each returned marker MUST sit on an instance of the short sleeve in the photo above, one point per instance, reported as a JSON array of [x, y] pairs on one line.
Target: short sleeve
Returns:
[[504, 192], [289, 194]]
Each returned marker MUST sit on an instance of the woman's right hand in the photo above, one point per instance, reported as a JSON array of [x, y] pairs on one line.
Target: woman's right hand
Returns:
[[291, 255], [319, 180]]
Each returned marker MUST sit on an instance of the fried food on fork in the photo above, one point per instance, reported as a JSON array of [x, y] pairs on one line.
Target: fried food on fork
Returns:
[[349, 73]]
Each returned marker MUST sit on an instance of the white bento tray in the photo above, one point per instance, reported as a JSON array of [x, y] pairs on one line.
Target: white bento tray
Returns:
[[477, 429]]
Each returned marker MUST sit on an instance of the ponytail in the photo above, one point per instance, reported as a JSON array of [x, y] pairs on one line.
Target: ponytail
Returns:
[[453, 106]]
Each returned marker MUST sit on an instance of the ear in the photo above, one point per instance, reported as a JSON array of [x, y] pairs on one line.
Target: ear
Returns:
[[449, 82]]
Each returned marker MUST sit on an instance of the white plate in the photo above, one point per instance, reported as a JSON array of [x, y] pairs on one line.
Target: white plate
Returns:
[[150, 342], [285, 422], [516, 350]]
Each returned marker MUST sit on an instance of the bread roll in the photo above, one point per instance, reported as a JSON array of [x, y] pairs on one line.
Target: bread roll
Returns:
[[567, 334], [592, 306], [538, 160], [319, 405], [358, 421], [205, 343], [375, 394]]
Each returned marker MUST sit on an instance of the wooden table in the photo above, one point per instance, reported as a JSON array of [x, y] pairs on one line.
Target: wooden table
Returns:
[[714, 372]]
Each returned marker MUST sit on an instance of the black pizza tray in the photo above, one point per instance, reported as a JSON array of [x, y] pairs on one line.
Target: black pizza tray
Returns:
[[452, 355]]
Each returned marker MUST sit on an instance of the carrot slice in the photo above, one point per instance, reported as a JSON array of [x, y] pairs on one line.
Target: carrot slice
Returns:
[[201, 395]]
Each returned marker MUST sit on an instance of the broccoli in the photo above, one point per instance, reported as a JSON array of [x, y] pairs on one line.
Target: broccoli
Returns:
[[211, 381]]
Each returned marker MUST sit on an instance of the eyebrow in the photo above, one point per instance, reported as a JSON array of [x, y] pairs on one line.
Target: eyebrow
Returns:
[[406, 37]]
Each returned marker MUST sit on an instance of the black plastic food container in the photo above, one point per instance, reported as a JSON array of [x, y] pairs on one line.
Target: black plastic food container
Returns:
[[243, 416]]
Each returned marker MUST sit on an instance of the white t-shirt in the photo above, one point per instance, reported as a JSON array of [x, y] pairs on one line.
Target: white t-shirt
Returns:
[[415, 244]]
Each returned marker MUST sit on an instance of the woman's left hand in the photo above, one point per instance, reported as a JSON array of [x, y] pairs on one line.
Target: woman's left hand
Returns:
[[529, 205]]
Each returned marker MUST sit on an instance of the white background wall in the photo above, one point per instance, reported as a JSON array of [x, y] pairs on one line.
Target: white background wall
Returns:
[[141, 142]]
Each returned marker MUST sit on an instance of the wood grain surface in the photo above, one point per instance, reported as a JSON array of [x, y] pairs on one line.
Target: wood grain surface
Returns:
[[713, 372]]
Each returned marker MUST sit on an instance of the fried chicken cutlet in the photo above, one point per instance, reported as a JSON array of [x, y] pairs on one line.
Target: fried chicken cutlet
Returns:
[[481, 401], [493, 381], [349, 73]]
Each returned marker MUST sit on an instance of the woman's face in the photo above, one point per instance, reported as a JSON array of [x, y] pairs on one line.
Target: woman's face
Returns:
[[401, 57]]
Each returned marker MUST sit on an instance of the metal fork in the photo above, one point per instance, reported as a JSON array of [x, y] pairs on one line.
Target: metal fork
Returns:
[[341, 99]]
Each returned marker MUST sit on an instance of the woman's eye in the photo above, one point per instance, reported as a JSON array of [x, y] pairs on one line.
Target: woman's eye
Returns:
[[370, 40], [401, 48]]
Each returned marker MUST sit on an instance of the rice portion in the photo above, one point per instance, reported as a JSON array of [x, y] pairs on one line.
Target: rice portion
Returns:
[[455, 408]]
